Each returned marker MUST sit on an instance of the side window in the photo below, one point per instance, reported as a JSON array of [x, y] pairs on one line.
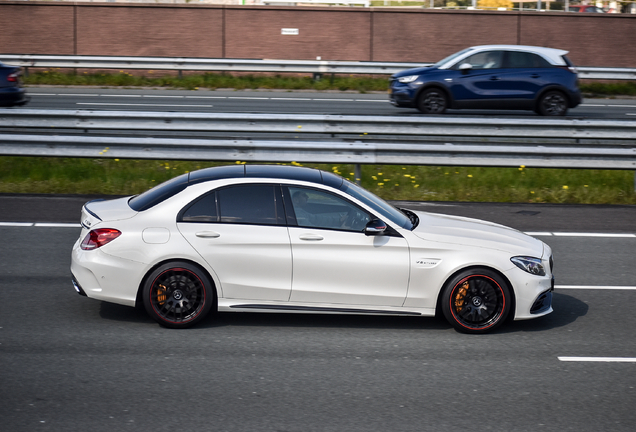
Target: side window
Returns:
[[483, 60], [319, 209], [525, 60], [250, 204], [202, 210]]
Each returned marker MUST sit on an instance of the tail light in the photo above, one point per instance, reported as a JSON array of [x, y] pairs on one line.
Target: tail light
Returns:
[[99, 237], [570, 68], [13, 77]]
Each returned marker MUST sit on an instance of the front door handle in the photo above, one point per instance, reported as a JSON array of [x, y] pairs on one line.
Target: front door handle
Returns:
[[494, 78], [535, 76], [208, 234], [311, 237]]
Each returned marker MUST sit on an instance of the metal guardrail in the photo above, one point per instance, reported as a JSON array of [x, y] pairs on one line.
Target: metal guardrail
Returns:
[[242, 65], [321, 138]]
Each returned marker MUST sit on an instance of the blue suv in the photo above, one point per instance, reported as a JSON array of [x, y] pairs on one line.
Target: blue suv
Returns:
[[515, 77]]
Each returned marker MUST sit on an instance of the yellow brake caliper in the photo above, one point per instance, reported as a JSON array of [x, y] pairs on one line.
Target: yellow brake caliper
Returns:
[[460, 296], [161, 294]]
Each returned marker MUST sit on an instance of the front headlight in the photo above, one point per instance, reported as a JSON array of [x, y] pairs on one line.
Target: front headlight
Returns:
[[530, 264], [408, 79]]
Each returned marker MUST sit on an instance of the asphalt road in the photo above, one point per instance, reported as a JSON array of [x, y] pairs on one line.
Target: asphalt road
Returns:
[[299, 102], [68, 363]]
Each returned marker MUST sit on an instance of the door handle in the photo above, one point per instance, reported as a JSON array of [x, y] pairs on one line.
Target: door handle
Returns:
[[311, 237], [494, 78], [535, 76], [208, 234]]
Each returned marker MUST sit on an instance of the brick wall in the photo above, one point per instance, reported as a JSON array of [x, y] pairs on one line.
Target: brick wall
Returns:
[[333, 33]]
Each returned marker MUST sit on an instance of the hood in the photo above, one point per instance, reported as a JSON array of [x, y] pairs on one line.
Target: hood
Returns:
[[415, 71], [476, 233], [97, 211]]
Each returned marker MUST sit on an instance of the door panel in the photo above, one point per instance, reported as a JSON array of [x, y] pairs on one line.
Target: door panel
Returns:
[[252, 262], [348, 267]]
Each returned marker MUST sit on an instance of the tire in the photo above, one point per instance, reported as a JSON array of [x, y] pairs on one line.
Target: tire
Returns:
[[553, 103], [476, 301], [432, 101], [178, 295]]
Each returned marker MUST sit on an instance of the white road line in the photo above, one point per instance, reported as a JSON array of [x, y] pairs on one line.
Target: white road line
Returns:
[[114, 95], [160, 96], [565, 234], [57, 225], [596, 287], [292, 98], [206, 97], [373, 100], [247, 97], [142, 104], [599, 359], [592, 105], [16, 224], [573, 234]]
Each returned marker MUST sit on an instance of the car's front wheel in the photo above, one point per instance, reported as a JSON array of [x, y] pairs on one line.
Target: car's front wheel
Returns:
[[178, 295], [476, 301], [553, 103], [432, 101]]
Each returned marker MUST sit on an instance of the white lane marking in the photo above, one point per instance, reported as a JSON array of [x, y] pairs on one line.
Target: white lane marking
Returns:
[[57, 225], [160, 96], [143, 104], [573, 234], [205, 97], [566, 234], [596, 287], [592, 105], [292, 98], [373, 100], [128, 95], [16, 224], [599, 359], [247, 97]]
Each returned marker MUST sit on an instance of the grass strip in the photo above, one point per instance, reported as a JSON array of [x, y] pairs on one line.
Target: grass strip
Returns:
[[415, 183], [213, 81]]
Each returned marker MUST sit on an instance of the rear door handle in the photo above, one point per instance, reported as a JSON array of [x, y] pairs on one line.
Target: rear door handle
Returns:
[[208, 234], [494, 78], [311, 237], [535, 76]]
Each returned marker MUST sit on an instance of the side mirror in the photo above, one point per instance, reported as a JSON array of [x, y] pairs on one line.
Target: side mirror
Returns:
[[465, 67], [375, 227]]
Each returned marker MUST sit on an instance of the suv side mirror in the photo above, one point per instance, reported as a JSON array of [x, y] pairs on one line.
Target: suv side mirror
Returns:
[[375, 227], [465, 68]]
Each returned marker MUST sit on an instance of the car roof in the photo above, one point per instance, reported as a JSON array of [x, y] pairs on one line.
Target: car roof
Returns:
[[284, 172], [553, 55]]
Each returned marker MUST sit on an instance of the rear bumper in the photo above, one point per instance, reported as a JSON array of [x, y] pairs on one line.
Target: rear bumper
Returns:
[[13, 96]]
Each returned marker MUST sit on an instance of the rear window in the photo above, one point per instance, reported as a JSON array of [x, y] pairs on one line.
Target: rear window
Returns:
[[159, 193]]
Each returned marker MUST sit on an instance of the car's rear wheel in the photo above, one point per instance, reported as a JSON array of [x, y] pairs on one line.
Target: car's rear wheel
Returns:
[[553, 103], [432, 101], [178, 295], [476, 301]]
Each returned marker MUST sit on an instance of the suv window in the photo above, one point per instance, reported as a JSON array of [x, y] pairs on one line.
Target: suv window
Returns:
[[517, 59], [319, 209], [482, 60], [243, 204]]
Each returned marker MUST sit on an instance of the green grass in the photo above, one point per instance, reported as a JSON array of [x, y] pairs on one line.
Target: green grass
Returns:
[[417, 183], [289, 82]]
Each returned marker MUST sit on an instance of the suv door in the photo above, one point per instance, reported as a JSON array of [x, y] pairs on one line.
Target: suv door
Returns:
[[334, 262], [240, 231], [479, 86]]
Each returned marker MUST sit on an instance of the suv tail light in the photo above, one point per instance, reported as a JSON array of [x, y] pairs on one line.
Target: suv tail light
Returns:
[[570, 68], [99, 237], [13, 77]]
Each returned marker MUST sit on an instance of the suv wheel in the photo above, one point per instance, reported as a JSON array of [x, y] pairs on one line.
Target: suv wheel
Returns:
[[432, 101], [553, 103]]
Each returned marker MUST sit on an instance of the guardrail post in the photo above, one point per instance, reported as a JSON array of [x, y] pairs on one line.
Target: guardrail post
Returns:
[[358, 174]]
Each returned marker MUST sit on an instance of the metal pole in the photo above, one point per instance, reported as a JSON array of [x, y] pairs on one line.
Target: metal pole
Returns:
[[358, 173]]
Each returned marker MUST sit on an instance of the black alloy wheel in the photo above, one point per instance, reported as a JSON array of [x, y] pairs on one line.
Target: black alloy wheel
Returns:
[[553, 103], [177, 295], [432, 101], [476, 301]]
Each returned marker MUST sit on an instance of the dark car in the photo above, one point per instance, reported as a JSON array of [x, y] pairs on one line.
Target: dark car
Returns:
[[515, 77], [11, 91]]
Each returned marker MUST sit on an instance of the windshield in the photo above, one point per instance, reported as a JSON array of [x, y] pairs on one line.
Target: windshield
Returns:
[[378, 204], [451, 57]]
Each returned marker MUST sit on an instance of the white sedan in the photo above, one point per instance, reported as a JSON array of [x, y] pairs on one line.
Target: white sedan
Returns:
[[268, 238]]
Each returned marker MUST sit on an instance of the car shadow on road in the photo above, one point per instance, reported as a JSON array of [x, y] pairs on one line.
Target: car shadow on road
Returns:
[[566, 310]]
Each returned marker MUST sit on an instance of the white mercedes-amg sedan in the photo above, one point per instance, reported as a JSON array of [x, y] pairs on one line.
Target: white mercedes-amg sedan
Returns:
[[269, 238]]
